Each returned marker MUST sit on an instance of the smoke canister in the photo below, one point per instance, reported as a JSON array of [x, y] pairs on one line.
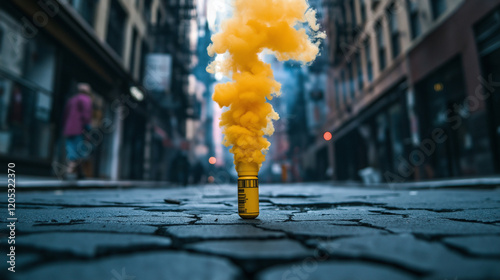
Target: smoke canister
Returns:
[[248, 190]]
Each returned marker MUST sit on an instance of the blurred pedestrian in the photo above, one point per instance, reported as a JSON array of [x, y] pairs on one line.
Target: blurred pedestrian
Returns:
[[198, 172], [77, 117], [183, 164], [179, 169]]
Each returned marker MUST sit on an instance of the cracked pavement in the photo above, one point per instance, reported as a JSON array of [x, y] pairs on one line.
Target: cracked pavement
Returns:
[[304, 231]]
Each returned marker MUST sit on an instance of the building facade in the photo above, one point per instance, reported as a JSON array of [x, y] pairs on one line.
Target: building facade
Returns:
[[49, 46], [412, 89]]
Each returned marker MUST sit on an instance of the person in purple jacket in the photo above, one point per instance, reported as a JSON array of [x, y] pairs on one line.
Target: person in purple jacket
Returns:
[[77, 116]]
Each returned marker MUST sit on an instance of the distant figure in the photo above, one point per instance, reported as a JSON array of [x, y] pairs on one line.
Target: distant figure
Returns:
[[179, 169], [77, 116], [198, 171], [183, 174]]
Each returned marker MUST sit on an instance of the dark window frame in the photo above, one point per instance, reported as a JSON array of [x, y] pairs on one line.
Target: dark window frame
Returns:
[[362, 6], [115, 35], [337, 93], [438, 7], [87, 9], [394, 30], [359, 72], [344, 86], [369, 63], [352, 87], [353, 17], [133, 51], [414, 17], [381, 46]]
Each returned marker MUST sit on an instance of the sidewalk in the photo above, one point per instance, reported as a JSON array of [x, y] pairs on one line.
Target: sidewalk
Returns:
[[48, 183], [477, 182], [304, 231]]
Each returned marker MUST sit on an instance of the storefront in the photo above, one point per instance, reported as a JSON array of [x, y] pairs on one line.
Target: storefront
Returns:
[[440, 99], [38, 75], [27, 72], [379, 137], [444, 104], [132, 151], [487, 33]]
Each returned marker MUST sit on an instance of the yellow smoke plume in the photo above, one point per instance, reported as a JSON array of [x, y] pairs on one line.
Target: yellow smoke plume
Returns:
[[274, 26]]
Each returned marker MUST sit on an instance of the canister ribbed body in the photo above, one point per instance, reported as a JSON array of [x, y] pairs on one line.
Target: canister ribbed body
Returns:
[[248, 197]]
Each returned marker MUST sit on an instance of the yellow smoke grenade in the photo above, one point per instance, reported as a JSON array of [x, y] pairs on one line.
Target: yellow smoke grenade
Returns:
[[276, 26]]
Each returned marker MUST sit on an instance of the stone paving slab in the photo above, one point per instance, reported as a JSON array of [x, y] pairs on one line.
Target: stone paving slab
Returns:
[[323, 229], [337, 214], [86, 227], [487, 246], [413, 254], [254, 249], [304, 231], [87, 244], [428, 225], [264, 217], [221, 232], [334, 271], [147, 265]]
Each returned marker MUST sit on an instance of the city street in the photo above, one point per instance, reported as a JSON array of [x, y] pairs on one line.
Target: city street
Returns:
[[304, 231]]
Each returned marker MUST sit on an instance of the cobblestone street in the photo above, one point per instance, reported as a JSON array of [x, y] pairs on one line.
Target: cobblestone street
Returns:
[[304, 231]]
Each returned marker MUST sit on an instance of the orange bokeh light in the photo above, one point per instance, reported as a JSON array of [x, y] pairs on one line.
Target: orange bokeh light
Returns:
[[327, 136], [212, 160], [211, 179]]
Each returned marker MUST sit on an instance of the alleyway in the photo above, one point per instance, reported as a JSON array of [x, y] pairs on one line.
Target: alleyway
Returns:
[[304, 231]]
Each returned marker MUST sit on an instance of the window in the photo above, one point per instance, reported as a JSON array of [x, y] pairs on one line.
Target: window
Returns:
[[381, 46], [133, 51], [352, 88], [337, 93], [142, 67], [86, 9], [414, 18], [158, 18], [369, 64], [344, 86], [147, 10], [116, 27], [353, 14], [438, 7], [343, 23], [26, 84], [393, 25], [363, 10], [360, 72]]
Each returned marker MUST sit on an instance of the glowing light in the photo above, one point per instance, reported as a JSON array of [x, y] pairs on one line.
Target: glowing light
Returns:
[[212, 160], [136, 93], [438, 87], [327, 136]]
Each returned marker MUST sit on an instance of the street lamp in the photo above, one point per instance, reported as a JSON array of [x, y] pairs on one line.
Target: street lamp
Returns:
[[136, 93]]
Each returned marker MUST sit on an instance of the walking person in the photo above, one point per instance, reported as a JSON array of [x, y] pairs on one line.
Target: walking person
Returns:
[[77, 117]]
